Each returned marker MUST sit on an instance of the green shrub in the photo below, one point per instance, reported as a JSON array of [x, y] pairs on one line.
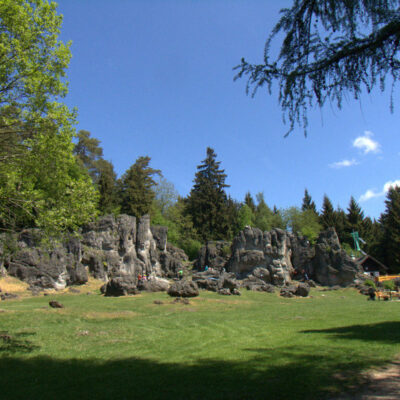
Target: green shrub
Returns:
[[370, 283], [226, 251], [191, 247], [389, 285]]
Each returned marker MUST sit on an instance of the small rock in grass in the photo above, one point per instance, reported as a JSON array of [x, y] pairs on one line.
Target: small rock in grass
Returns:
[[83, 333], [55, 304], [182, 300], [73, 290], [158, 302]]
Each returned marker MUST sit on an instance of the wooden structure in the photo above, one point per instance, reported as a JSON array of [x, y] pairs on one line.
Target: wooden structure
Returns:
[[372, 266]]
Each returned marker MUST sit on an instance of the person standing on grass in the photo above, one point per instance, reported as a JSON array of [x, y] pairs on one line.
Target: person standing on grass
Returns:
[[180, 274]]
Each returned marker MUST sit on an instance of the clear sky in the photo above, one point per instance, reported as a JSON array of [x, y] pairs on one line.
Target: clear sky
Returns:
[[154, 77]]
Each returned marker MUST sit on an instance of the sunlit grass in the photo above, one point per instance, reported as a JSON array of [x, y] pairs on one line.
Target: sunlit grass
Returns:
[[256, 346]]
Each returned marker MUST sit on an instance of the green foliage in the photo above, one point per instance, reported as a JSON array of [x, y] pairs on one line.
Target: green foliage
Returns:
[[88, 152], [136, 188], [207, 203], [165, 194], [245, 217], [40, 182], [263, 214], [329, 48], [391, 229], [389, 285], [226, 251], [308, 203], [370, 283], [304, 222], [107, 187]]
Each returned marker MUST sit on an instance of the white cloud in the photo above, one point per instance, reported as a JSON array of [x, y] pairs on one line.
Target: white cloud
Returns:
[[366, 144], [371, 193], [344, 163], [391, 184]]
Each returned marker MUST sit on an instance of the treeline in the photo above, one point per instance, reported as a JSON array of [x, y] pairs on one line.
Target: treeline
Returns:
[[208, 213], [57, 180]]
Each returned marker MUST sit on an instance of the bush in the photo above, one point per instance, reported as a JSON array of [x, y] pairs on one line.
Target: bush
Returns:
[[226, 251], [389, 285], [370, 283], [191, 247]]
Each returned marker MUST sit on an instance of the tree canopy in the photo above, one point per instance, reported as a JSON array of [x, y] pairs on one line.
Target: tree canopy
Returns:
[[329, 48], [40, 181]]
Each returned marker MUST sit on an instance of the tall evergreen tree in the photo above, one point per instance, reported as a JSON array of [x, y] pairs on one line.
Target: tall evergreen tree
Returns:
[[207, 201], [107, 187], [135, 188], [308, 203], [263, 215], [391, 229], [89, 152], [327, 216], [248, 199]]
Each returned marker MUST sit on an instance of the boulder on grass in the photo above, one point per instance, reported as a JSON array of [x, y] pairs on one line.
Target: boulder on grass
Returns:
[[302, 290], [121, 286], [154, 284], [224, 292], [183, 289]]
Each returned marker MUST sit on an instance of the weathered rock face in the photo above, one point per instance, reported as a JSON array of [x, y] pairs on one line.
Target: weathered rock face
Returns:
[[269, 253], [183, 289], [110, 247], [277, 256], [46, 269], [331, 265], [215, 254]]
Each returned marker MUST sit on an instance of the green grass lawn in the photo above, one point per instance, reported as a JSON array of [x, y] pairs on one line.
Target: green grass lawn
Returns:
[[257, 346]]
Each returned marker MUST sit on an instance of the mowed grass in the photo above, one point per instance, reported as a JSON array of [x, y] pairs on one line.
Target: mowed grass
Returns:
[[257, 346]]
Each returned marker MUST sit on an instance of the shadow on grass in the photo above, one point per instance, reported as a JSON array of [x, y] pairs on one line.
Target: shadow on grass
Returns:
[[386, 332], [285, 373], [16, 343]]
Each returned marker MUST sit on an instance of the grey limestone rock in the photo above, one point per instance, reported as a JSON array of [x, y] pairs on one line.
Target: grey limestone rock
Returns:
[[183, 289]]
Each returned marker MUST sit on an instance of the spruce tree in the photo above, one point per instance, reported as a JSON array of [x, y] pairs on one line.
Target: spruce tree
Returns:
[[107, 187], [207, 202], [327, 216], [308, 203], [135, 188], [249, 201], [88, 153], [391, 229]]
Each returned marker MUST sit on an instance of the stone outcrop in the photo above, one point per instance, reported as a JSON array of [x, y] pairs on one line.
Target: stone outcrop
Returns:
[[332, 265], [108, 248], [215, 254], [267, 252], [277, 257], [183, 289]]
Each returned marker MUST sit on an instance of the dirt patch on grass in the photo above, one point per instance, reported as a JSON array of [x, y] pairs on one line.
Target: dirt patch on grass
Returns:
[[9, 284], [378, 384], [111, 315]]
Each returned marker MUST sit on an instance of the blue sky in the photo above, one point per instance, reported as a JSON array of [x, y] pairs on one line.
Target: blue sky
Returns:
[[154, 77]]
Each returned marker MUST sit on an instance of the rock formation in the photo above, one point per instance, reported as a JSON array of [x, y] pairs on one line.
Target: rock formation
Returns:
[[267, 252], [110, 247]]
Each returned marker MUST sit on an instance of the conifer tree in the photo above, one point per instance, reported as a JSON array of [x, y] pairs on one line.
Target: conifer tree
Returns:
[[207, 201], [107, 187], [135, 188], [263, 215], [88, 152], [308, 203], [327, 216], [391, 229], [248, 199]]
